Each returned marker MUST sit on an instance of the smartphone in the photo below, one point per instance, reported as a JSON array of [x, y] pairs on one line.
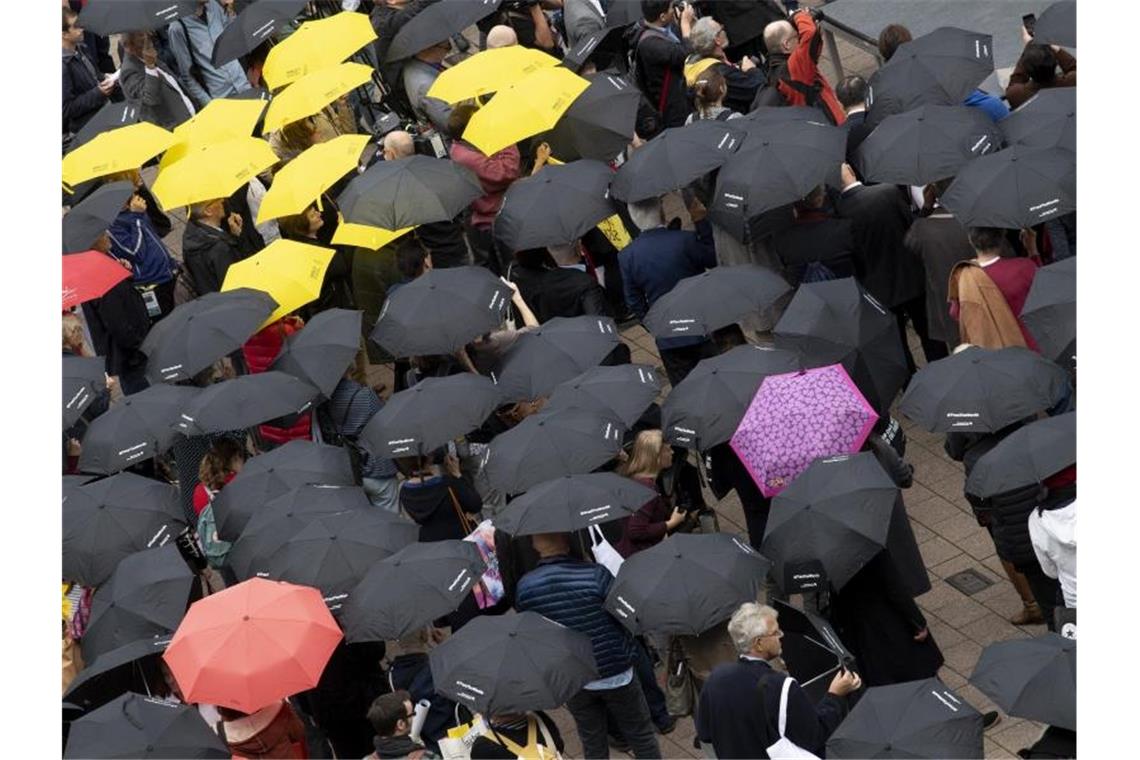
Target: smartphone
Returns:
[[1029, 20]]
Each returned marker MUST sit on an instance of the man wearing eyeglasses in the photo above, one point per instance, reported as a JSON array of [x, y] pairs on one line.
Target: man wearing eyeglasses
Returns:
[[391, 716]]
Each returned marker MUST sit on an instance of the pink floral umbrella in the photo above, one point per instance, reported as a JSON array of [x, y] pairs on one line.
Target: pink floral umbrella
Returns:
[[798, 417]]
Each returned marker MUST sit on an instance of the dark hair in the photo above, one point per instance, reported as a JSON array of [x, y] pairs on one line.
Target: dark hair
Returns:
[[987, 238], [68, 16], [1040, 64], [410, 257], [813, 199], [387, 710], [134, 42], [852, 91], [295, 226], [710, 87], [457, 121], [229, 713], [652, 9], [890, 38]]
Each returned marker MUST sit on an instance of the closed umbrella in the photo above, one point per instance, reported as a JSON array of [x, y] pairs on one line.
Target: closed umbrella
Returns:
[[524, 108], [1035, 679], [623, 391], [1047, 120], [1050, 311], [134, 725], [488, 71], [320, 353], [436, 23], [1028, 455], [316, 45], [1057, 25], [555, 206], [134, 430], [811, 649], [573, 502], [675, 158], [89, 275], [245, 401], [221, 119], [292, 273], [556, 351], [302, 181], [255, 24], [215, 171], [116, 150], [131, 667], [84, 379], [599, 124], [105, 17], [405, 192], [111, 116], [713, 299], [1014, 188], [91, 217], [927, 144], [313, 91]]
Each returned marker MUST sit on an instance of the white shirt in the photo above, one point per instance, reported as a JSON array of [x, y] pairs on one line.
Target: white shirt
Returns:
[[1054, 536], [157, 72]]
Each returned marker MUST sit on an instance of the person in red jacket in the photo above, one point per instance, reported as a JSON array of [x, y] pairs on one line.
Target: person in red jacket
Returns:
[[649, 525], [259, 352], [793, 57]]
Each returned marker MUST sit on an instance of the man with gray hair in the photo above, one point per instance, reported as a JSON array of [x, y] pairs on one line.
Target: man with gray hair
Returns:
[[709, 41], [739, 707]]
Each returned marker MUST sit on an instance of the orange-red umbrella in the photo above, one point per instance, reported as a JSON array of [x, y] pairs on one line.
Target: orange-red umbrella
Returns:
[[89, 275], [252, 644]]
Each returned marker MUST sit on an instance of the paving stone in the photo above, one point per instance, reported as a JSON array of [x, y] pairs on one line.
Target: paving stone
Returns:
[[921, 532], [994, 751], [939, 596], [1018, 736], [965, 562], [932, 511], [961, 611], [944, 635], [978, 544], [937, 550], [962, 656], [952, 678], [931, 470], [991, 628], [957, 527]]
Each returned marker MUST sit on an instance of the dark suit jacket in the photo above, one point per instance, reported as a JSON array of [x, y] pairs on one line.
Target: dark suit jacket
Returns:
[[939, 242], [207, 254], [158, 102], [818, 238], [561, 292], [857, 131], [118, 322], [881, 218]]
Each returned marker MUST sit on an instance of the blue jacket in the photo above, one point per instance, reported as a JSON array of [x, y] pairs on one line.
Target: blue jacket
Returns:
[[993, 106], [572, 592], [134, 240]]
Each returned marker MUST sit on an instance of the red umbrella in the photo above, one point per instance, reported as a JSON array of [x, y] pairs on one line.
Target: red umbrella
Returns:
[[89, 275], [252, 644]]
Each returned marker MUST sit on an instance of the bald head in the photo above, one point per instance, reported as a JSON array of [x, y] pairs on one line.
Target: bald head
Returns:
[[398, 144], [501, 36], [550, 544], [781, 36]]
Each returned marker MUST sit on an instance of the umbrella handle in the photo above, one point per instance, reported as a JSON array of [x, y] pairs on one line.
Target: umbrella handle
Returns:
[[130, 718], [821, 675]]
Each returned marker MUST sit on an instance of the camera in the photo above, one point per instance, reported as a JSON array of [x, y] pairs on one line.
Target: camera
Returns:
[[429, 143]]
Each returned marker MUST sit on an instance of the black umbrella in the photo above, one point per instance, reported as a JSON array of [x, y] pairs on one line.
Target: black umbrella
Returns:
[[198, 333], [1028, 455], [405, 592], [111, 116], [275, 473], [1035, 679], [549, 445], [109, 519], [706, 407], [146, 596], [105, 17], [982, 390], [1050, 311], [713, 299], [915, 719], [623, 392], [435, 23], [810, 648], [441, 311], [408, 191], [1047, 120], [623, 12], [321, 352], [1057, 25], [926, 144], [1014, 188], [84, 378], [245, 401], [91, 217], [512, 663], [135, 429], [573, 502], [599, 124], [837, 514], [138, 726], [558, 205], [939, 68], [432, 412], [131, 667], [556, 351], [605, 47], [675, 158], [256, 23], [686, 584], [837, 321]]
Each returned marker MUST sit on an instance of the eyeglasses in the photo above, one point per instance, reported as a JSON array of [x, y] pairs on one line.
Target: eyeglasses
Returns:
[[775, 634]]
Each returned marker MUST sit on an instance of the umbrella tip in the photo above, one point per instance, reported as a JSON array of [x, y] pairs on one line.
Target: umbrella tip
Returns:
[[245, 617]]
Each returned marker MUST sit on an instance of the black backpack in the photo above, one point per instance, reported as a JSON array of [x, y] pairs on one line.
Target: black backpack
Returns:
[[333, 434], [769, 93]]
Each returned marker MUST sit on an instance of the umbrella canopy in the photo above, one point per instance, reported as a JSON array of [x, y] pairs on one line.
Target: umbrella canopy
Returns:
[[275, 473], [306, 177], [134, 430], [837, 513], [89, 275], [441, 311], [111, 116], [603, 46], [915, 719], [599, 124], [1035, 679], [488, 71], [1057, 25], [91, 217], [555, 351], [797, 418], [686, 584], [396, 194], [982, 390], [1050, 311], [196, 334], [623, 12], [245, 401], [406, 591], [109, 519], [116, 150], [1014, 188], [713, 299], [555, 206], [811, 649], [136, 726], [146, 596], [1047, 120], [290, 272], [320, 353], [420, 419], [252, 644], [549, 445], [365, 236], [526, 107], [436, 23], [839, 321], [313, 91], [1028, 455], [926, 144], [131, 667], [623, 392], [105, 17], [675, 158], [512, 663], [215, 171], [256, 23], [573, 502], [316, 46], [84, 379], [705, 408], [221, 120]]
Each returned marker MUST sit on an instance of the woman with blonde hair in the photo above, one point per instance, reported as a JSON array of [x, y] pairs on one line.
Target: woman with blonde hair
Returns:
[[655, 519], [709, 91]]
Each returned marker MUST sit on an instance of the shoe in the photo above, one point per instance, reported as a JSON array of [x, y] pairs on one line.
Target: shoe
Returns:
[[668, 727], [991, 718], [1030, 615]]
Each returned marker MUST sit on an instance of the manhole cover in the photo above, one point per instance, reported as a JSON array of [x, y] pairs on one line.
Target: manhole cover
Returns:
[[969, 582]]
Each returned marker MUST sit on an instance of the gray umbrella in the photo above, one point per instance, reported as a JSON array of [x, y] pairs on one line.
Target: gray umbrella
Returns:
[[110, 116], [556, 351], [320, 353], [126, 668], [1035, 679], [1047, 120], [91, 217], [623, 391], [245, 401], [107, 18], [713, 299], [1014, 188], [1028, 455], [256, 23], [137, 428], [1050, 311], [134, 725], [926, 144], [573, 502], [435, 23], [408, 191], [555, 206], [599, 124], [84, 378], [675, 158], [1057, 25]]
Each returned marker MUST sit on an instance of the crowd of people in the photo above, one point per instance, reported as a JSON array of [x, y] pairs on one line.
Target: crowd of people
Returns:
[[957, 287]]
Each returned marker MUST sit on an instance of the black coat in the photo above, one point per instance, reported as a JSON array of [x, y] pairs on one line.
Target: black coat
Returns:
[[818, 238], [881, 218], [1009, 524], [938, 242], [561, 292], [119, 322], [661, 63], [857, 131], [159, 102], [727, 473], [444, 240], [433, 507], [81, 96], [207, 253]]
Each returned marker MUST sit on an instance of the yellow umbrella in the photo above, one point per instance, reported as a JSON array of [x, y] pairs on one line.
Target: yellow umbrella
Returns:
[[221, 119], [316, 45], [531, 105], [216, 171], [365, 236], [303, 179], [117, 150], [313, 92], [290, 272], [489, 71]]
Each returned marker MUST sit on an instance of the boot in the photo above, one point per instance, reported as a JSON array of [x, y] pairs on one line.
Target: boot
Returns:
[[1031, 612]]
